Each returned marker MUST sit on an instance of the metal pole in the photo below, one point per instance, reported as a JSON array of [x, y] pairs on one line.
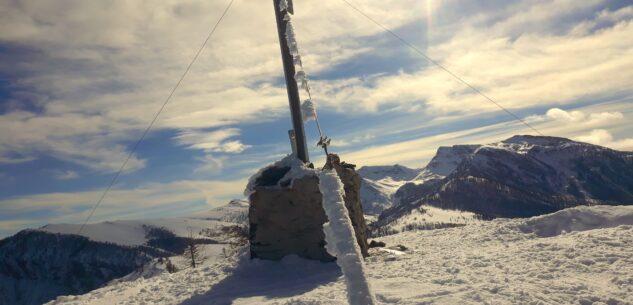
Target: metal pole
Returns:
[[291, 83]]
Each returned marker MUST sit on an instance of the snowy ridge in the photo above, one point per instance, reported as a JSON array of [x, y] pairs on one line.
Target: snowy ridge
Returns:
[[493, 262], [522, 176], [379, 183]]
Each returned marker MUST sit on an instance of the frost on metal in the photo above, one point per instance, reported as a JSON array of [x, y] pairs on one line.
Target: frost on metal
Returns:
[[283, 5], [301, 76], [287, 170], [308, 111], [341, 240]]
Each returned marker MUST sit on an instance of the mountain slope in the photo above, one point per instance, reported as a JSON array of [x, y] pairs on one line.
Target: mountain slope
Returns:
[[39, 265], [521, 177], [379, 183]]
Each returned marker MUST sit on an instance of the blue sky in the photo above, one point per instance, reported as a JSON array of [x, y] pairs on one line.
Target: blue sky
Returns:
[[80, 80]]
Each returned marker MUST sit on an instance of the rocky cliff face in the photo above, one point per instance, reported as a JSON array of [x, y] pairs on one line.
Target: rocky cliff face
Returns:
[[520, 177]]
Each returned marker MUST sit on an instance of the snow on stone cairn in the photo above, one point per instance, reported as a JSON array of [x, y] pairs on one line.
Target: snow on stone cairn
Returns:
[[297, 170], [341, 241]]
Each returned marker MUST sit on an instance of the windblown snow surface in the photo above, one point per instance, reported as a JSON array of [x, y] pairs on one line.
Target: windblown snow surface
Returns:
[[580, 256]]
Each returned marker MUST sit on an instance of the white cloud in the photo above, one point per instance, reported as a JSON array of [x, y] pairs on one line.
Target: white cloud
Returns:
[[562, 115], [519, 73], [605, 138], [146, 201], [210, 165], [65, 175], [597, 136], [590, 128], [593, 119], [108, 70], [213, 141]]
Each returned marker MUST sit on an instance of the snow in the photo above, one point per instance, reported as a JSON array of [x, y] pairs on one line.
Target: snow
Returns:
[[341, 241], [579, 219], [427, 217], [297, 170], [283, 5], [492, 262], [380, 183], [445, 162], [392, 172]]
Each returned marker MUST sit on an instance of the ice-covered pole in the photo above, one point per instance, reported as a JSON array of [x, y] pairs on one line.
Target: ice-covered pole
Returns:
[[282, 7], [341, 241]]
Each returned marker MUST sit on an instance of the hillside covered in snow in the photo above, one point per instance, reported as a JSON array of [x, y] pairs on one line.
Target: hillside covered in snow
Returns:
[[576, 256], [379, 183], [37, 265], [522, 176]]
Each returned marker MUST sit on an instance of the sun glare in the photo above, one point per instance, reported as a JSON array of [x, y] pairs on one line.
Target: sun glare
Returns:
[[431, 6]]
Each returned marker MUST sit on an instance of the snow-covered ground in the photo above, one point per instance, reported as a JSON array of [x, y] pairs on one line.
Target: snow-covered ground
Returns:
[[577, 256], [426, 217]]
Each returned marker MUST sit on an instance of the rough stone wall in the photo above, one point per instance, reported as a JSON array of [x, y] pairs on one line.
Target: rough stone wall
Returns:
[[289, 220], [351, 182]]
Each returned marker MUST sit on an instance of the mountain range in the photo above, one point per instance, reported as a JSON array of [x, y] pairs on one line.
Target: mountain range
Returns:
[[522, 176]]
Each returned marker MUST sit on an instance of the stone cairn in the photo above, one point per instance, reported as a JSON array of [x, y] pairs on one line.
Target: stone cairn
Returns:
[[286, 215]]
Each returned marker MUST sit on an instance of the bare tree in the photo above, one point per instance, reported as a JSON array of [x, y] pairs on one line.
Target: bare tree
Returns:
[[193, 251]]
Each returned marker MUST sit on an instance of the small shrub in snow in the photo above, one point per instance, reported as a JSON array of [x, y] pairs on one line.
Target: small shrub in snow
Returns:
[[193, 251]]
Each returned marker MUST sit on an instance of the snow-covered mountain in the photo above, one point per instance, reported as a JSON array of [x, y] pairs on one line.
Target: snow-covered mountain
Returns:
[[520, 177], [40, 264], [379, 183], [580, 255]]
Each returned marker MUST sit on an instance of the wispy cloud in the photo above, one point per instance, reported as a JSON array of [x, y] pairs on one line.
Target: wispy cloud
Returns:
[[146, 201], [65, 175], [212, 141], [87, 77], [108, 73]]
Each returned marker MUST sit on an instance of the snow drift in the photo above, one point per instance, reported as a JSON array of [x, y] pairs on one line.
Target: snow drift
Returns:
[[579, 219]]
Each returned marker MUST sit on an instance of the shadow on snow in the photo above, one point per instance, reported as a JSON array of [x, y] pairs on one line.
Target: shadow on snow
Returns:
[[268, 279]]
